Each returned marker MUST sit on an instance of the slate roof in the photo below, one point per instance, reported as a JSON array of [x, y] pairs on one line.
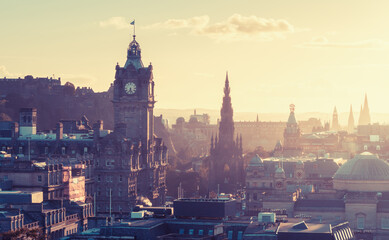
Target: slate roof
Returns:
[[319, 205], [320, 168]]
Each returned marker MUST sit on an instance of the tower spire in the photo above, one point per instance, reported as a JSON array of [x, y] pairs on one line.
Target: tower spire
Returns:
[[366, 111], [134, 53], [335, 120], [351, 126], [226, 127], [360, 116]]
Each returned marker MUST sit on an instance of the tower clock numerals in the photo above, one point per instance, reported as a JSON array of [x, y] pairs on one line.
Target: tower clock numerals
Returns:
[[130, 88]]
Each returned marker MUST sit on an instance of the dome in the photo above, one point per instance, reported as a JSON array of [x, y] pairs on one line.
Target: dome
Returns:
[[364, 173], [256, 161], [280, 170], [364, 166]]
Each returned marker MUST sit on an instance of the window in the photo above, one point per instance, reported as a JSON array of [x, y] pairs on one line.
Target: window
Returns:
[[39, 178], [365, 147], [210, 232], [181, 231], [229, 235], [385, 222], [5, 177], [107, 178], [255, 197], [120, 178], [360, 222], [85, 150], [191, 231], [63, 150], [201, 232], [20, 150], [46, 150], [240, 235], [119, 192]]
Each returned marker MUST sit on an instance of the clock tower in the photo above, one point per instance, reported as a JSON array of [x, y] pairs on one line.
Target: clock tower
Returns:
[[133, 99]]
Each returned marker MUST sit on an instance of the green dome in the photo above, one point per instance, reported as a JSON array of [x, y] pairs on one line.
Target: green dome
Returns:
[[364, 166], [256, 161]]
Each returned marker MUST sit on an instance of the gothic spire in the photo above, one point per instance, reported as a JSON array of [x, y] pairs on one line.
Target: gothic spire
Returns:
[[351, 126], [366, 111], [360, 116], [335, 120], [364, 116], [226, 127]]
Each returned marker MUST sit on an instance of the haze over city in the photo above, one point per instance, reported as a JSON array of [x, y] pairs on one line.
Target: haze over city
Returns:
[[168, 120], [314, 54]]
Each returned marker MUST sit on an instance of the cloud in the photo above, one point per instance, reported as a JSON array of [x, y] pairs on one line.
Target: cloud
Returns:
[[322, 42], [116, 22], [78, 79], [194, 22], [235, 27], [5, 73]]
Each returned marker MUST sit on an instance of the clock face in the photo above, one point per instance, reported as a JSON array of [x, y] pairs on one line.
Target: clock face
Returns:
[[130, 88]]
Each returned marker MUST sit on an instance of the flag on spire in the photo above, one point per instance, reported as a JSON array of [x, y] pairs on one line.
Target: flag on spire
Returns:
[[133, 22]]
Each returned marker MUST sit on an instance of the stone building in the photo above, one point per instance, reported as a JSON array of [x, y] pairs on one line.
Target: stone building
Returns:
[[121, 167], [131, 162], [356, 192], [279, 183]]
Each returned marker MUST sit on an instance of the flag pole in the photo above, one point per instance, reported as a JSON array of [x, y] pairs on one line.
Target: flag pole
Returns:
[[134, 27]]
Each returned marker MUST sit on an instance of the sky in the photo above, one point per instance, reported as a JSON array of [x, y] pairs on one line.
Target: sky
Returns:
[[315, 54]]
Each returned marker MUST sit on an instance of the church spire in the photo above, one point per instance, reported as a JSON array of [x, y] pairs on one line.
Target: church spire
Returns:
[[335, 120], [366, 111], [360, 116], [364, 116], [351, 126]]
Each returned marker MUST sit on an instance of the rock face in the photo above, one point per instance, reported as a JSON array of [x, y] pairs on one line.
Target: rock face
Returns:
[[54, 101]]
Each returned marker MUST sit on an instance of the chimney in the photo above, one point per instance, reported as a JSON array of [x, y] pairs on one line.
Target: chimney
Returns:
[[59, 131], [15, 130], [96, 130]]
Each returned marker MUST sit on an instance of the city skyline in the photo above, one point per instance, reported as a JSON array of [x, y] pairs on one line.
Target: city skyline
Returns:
[[276, 54]]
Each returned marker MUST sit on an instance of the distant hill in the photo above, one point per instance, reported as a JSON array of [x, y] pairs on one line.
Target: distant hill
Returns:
[[172, 114]]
